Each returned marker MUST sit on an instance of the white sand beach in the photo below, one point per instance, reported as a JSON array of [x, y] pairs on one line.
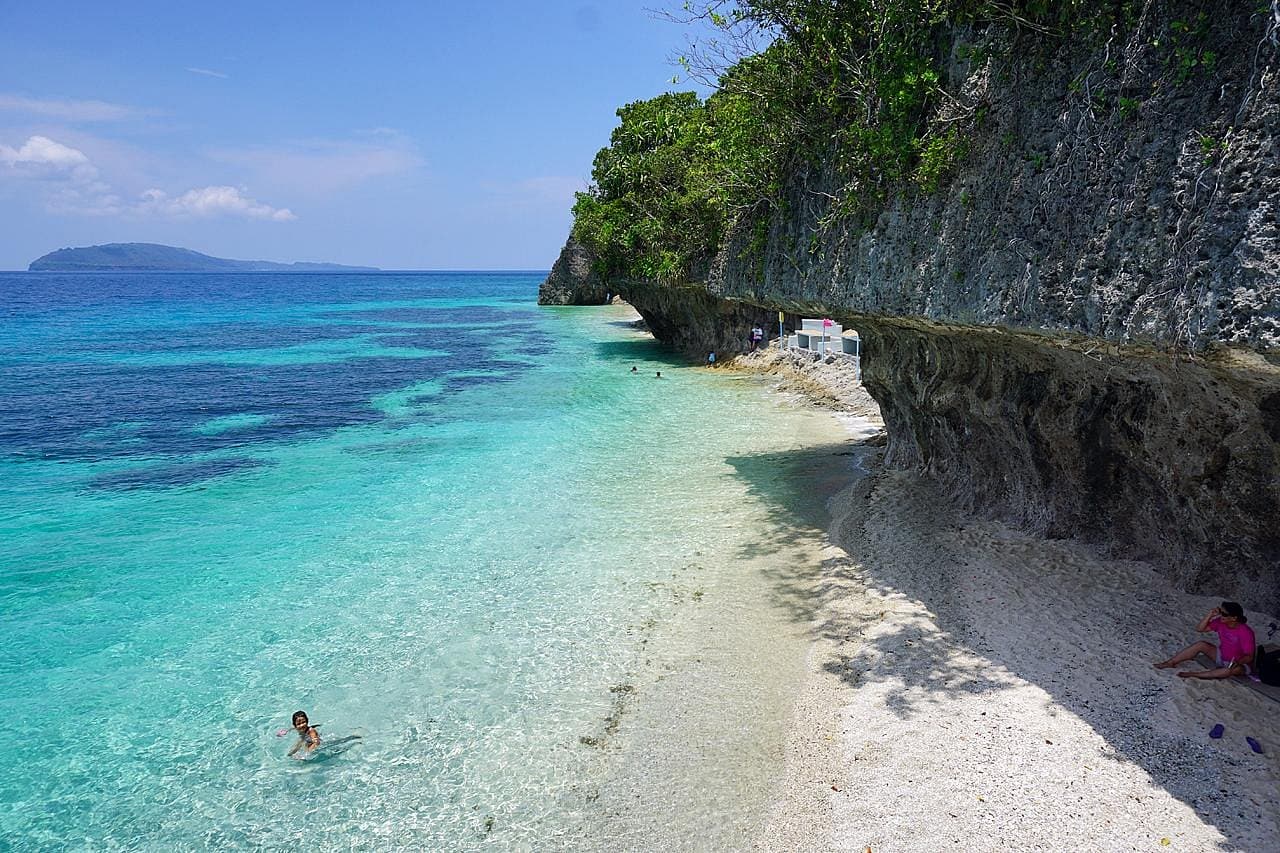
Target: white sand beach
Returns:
[[973, 687]]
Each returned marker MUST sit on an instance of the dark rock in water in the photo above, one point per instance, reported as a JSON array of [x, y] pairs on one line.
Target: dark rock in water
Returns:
[[573, 280], [160, 477], [697, 322]]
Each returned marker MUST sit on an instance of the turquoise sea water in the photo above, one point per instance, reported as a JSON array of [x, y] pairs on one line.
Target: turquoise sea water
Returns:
[[417, 506]]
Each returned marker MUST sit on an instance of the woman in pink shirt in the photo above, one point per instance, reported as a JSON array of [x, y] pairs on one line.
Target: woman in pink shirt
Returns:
[[1234, 652]]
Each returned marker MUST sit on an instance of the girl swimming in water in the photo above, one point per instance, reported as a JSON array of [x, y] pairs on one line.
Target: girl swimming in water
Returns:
[[308, 735]]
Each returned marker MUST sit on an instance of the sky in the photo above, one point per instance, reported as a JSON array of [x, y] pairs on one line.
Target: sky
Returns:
[[402, 135]]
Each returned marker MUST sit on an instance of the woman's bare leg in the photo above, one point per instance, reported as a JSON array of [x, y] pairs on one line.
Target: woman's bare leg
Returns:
[[1188, 653], [1220, 672]]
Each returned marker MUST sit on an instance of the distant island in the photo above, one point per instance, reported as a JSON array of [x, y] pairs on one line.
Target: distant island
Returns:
[[152, 257]]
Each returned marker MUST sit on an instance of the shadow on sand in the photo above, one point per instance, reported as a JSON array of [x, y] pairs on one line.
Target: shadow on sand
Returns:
[[926, 667]]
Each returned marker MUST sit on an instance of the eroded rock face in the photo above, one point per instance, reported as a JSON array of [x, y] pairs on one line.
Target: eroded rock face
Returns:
[[1102, 190], [1168, 459], [572, 280], [1149, 454], [696, 322], [1080, 331]]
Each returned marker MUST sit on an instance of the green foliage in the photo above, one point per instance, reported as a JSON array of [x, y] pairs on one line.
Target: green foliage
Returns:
[[850, 85], [1209, 147], [974, 53], [640, 207], [1189, 54], [668, 184], [938, 155]]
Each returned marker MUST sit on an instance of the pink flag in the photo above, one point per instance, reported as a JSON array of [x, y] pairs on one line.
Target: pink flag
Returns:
[[826, 322]]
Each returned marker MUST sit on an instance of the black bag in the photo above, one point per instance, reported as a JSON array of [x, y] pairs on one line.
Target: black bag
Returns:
[[1266, 665]]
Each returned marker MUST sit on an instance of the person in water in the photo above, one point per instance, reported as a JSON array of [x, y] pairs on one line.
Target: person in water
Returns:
[[659, 374], [633, 369], [1235, 649], [308, 735]]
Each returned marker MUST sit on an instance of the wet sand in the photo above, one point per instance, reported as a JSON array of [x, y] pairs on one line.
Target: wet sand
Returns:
[[688, 753]]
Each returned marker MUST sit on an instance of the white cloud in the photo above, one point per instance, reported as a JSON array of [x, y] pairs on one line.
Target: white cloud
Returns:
[[70, 184], [555, 191], [41, 157], [326, 166], [95, 199], [70, 181], [212, 201], [553, 188], [68, 110], [207, 73]]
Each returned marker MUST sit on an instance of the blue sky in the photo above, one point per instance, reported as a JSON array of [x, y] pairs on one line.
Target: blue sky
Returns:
[[397, 134]]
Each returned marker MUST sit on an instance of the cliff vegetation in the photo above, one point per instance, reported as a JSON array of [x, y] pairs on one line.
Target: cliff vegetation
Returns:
[[858, 85], [1053, 223]]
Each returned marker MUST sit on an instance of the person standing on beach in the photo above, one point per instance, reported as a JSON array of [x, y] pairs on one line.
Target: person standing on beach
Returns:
[[1234, 654]]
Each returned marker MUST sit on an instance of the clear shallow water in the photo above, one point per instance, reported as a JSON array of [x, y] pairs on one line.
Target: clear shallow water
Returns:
[[417, 506]]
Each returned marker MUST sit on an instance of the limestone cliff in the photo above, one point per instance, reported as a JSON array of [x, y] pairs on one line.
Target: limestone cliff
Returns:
[[1080, 329], [1103, 192], [572, 280]]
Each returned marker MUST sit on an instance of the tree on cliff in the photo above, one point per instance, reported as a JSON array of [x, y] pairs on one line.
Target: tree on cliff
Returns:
[[857, 85], [667, 186]]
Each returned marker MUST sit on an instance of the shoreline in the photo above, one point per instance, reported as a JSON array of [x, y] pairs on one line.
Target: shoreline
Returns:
[[825, 381], [689, 754], [973, 686]]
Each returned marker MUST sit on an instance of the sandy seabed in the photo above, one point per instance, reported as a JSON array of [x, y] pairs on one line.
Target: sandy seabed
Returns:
[[973, 687]]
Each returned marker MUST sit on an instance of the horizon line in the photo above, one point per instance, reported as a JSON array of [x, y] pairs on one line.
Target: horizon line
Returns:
[[368, 271]]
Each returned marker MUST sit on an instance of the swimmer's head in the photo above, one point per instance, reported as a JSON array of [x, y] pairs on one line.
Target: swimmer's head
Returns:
[[300, 720]]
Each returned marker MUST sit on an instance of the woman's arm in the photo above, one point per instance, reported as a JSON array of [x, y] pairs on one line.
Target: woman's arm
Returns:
[[313, 739], [297, 746], [1203, 627]]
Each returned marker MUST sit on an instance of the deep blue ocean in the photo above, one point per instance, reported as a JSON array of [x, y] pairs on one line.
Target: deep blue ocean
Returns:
[[418, 506]]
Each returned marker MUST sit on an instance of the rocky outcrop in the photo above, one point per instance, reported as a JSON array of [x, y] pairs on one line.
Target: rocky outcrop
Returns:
[[1167, 458], [827, 380], [1080, 330], [696, 322], [1103, 189], [572, 280]]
